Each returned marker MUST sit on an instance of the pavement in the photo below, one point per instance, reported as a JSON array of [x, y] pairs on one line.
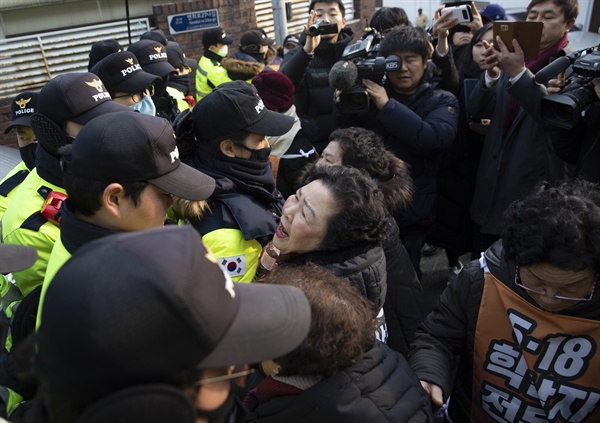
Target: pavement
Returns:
[[435, 274]]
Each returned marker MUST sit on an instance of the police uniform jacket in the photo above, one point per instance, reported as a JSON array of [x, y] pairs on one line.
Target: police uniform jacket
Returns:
[[242, 219], [10, 183], [208, 61]]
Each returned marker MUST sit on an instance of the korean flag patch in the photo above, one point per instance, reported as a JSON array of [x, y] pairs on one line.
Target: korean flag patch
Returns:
[[234, 265]]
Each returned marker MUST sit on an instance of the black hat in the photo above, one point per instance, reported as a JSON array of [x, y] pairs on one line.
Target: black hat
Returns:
[[252, 41], [146, 306], [101, 49], [291, 39], [22, 107], [214, 36], [16, 257], [155, 35], [177, 57], [122, 72], [238, 107], [129, 147], [76, 96], [152, 56]]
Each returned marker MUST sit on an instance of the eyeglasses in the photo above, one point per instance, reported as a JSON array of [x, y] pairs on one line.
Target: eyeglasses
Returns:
[[544, 293], [148, 91], [223, 378]]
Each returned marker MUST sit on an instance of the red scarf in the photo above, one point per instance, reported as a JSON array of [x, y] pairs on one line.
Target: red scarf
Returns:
[[534, 65], [267, 389]]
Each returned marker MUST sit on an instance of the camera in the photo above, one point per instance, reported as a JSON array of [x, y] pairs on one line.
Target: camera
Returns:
[[360, 61], [356, 99], [563, 109], [320, 28], [461, 12]]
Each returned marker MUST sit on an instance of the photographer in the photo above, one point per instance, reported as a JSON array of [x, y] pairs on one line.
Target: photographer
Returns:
[[581, 145], [308, 67], [417, 121]]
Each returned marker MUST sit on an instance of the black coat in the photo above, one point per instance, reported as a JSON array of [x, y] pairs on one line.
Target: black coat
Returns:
[[453, 227], [448, 333], [417, 129], [380, 388], [366, 270], [405, 306], [310, 75]]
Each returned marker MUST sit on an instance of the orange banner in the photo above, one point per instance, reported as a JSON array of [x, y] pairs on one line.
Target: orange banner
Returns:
[[530, 365]]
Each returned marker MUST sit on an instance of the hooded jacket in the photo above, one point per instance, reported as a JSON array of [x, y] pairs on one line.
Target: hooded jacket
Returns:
[[379, 388], [448, 333], [232, 70], [310, 75]]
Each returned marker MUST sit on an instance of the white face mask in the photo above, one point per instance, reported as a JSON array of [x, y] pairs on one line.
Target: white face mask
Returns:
[[223, 51], [145, 106]]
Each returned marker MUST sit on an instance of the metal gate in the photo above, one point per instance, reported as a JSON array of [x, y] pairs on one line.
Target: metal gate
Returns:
[[27, 63]]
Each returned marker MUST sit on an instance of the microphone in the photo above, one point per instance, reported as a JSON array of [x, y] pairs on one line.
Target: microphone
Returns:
[[343, 75], [552, 70]]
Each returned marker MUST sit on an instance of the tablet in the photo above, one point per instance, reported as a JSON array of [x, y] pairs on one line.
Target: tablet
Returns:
[[528, 34]]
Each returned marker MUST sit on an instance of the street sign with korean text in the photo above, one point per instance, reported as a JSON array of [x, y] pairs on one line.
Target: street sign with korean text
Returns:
[[193, 21]]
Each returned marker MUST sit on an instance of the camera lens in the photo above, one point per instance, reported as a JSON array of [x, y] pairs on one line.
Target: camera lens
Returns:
[[465, 15]]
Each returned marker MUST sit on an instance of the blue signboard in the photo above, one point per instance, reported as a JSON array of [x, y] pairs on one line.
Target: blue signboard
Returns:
[[193, 21]]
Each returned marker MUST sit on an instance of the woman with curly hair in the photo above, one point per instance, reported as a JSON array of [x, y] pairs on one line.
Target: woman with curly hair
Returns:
[[339, 373], [338, 220], [405, 306], [524, 319]]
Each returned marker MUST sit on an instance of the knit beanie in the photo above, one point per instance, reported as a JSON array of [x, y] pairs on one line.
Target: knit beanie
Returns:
[[275, 89]]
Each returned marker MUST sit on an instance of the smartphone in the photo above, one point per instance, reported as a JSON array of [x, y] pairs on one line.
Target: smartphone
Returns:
[[462, 12]]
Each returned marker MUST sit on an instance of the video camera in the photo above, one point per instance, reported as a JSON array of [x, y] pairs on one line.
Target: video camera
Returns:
[[360, 61], [564, 108], [322, 28]]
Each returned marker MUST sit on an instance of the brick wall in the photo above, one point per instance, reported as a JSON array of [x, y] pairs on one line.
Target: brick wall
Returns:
[[235, 16]]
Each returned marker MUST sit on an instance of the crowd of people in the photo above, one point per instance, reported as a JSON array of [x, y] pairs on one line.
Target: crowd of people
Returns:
[[228, 240]]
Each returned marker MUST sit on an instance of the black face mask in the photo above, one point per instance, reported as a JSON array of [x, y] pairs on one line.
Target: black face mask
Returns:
[[28, 155], [260, 155], [221, 413]]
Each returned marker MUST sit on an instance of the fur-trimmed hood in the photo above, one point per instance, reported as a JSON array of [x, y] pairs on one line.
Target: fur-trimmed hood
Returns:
[[241, 69]]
